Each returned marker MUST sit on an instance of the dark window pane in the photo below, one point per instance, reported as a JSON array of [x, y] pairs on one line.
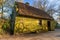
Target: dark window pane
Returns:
[[40, 22]]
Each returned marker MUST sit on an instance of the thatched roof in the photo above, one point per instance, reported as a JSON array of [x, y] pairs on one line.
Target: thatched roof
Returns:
[[29, 11]]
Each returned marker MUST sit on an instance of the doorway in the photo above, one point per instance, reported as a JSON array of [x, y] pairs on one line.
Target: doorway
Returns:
[[49, 26]]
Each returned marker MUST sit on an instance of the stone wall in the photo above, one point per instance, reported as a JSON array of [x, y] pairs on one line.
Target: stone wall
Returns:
[[53, 25], [26, 25], [44, 24]]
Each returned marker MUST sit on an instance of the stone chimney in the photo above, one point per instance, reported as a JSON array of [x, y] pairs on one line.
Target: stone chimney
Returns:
[[27, 3]]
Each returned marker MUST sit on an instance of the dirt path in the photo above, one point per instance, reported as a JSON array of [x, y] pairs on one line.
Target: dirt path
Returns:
[[53, 35]]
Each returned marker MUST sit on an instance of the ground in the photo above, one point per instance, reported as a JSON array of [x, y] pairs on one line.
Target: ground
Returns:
[[51, 35]]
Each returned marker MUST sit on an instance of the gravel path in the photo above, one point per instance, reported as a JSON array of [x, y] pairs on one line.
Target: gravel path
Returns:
[[52, 35]]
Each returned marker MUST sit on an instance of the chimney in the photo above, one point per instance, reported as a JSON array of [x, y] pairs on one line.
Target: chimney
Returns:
[[27, 3]]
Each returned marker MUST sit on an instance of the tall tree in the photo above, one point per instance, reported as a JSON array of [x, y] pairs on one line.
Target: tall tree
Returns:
[[8, 9], [1, 7], [51, 8], [44, 5]]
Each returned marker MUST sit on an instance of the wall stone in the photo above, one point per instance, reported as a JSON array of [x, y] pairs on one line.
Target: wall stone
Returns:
[[53, 24], [44, 24], [26, 25]]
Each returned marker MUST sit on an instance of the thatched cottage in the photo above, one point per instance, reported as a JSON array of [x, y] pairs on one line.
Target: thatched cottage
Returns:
[[27, 14]]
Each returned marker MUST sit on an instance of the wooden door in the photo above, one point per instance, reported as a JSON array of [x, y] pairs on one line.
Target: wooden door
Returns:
[[49, 26]]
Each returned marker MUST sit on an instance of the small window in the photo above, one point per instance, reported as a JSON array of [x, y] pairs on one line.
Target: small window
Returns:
[[40, 22]]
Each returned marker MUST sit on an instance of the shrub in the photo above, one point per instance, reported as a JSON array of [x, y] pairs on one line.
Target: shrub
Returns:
[[6, 26]]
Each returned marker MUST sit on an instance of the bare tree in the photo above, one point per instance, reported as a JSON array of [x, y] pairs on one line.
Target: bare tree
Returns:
[[44, 5], [41, 4], [50, 8], [1, 7]]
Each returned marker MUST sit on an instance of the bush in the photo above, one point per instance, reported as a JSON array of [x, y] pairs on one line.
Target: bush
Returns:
[[1, 24], [6, 26], [58, 25], [1, 32]]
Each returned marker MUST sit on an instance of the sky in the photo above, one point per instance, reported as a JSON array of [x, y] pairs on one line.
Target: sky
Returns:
[[51, 2], [56, 2], [30, 1]]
